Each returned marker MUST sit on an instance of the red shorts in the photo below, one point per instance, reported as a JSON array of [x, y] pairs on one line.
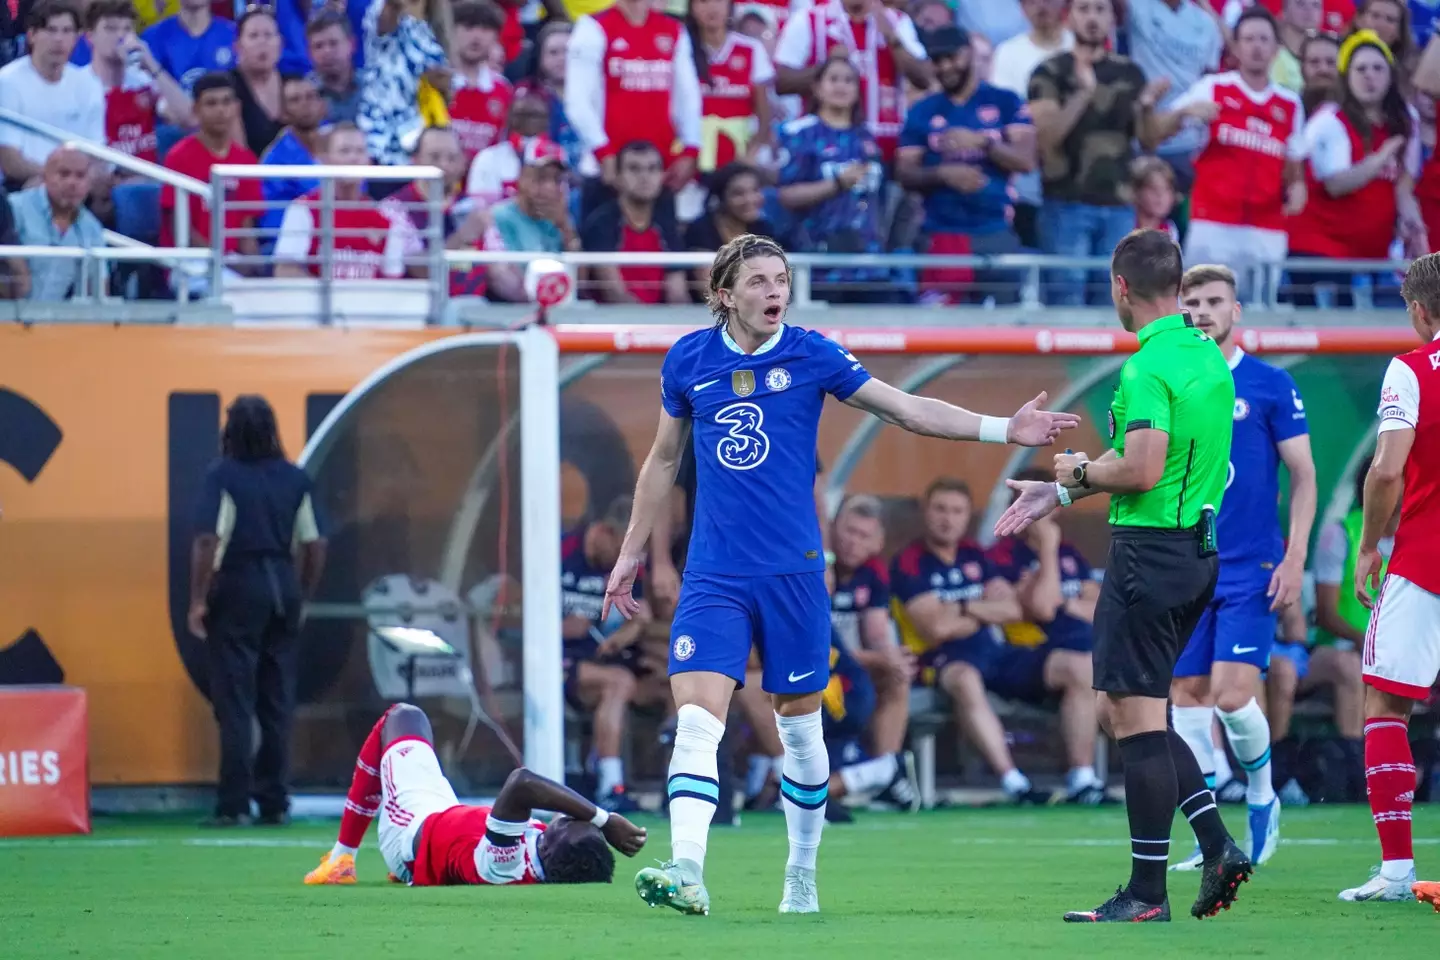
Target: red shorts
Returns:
[[950, 281]]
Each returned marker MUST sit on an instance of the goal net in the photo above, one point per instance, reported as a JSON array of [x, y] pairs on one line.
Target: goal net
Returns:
[[440, 477]]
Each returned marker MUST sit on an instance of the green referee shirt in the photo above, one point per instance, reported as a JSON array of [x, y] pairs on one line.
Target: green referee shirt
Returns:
[[1177, 382]]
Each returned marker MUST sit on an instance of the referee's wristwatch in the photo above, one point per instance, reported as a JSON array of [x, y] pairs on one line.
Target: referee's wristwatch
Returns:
[[1079, 473]]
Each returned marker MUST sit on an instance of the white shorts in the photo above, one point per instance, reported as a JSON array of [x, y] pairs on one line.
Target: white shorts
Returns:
[[412, 788], [1402, 645], [1241, 248]]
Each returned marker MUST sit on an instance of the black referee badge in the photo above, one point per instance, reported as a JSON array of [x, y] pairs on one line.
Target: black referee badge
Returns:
[[743, 382]]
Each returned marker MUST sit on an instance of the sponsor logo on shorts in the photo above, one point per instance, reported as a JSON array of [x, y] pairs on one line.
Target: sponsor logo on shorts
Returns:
[[1240, 651], [684, 647]]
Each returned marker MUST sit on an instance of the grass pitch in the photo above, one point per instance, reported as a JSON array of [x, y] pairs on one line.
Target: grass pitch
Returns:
[[972, 883]]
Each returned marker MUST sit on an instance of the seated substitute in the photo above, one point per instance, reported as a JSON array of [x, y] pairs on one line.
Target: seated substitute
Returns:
[[948, 600], [429, 839], [602, 662], [1047, 655], [860, 614]]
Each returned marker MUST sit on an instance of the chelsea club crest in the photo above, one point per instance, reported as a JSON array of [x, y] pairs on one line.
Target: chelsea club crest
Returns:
[[684, 647], [777, 379]]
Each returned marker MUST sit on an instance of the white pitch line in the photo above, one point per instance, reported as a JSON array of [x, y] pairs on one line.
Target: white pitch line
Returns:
[[1097, 842]]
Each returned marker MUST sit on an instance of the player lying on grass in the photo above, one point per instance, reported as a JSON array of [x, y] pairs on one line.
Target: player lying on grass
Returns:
[[752, 389], [429, 838]]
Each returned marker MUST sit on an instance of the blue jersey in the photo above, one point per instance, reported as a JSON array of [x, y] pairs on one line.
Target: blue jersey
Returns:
[[187, 58], [867, 588], [82, 54], [754, 422], [285, 150], [1012, 557], [990, 111], [916, 570], [811, 151], [1268, 410]]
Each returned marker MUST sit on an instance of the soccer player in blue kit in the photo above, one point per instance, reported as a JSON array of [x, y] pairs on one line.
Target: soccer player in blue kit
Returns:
[[1222, 667], [752, 389]]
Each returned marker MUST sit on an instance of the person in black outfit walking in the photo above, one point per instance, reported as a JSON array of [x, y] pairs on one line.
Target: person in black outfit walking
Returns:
[[257, 554]]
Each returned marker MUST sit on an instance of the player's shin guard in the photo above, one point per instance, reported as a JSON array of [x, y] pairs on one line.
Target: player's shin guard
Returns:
[[1150, 805], [1390, 779], [805, 786], [1197, 802], [362, 801], [694, 784], [1249, 734], [1193, 725]]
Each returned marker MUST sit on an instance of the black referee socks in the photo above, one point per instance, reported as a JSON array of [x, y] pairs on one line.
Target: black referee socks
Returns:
[[1151, 794], [1197, 803]]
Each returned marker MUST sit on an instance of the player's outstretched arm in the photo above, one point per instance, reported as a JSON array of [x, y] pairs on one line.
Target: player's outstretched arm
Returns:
[[652, 494], [526, 791], [1029, 427]]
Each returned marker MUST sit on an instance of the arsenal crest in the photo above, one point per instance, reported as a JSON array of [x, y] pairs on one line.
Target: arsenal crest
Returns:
[[988, 114], [664, 44], [743, 382]]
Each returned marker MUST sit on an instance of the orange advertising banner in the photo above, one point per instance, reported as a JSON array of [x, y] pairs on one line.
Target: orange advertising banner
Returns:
[[104, 432], [43, 784]]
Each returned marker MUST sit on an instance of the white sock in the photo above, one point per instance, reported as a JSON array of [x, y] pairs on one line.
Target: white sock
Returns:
[[1193, 725], [340, 850], [806, 785], [1015, 783], [611, 774], [1223, 773], [869, 775], [1397, 869], [1079, 778], [756, 773], [694, 784], [1249, 735]]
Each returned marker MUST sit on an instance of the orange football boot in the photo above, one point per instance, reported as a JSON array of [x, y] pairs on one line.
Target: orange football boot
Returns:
[[337, 870], [1427, 891]]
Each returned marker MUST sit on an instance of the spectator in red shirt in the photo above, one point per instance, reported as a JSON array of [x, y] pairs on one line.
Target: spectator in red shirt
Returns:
[[630, 224], [216, 109], [135, 93], [366, 243], [479, 97]]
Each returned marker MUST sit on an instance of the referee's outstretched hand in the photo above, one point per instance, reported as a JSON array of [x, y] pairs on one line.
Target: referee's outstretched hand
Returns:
[[1037, 498], [1033, 427], [620, 591]]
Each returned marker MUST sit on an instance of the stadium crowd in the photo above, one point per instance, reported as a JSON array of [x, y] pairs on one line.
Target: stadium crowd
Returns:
[[1002, 634], [1249, 130]]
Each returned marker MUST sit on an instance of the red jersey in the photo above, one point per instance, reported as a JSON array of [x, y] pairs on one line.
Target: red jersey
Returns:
[[632, 82], [1410, 398], [478, 111], [1361, 224], [131, 110], [727, 100], [367, 242], [194, 159], [811, 37], [1335, 18], [1427, 193], [1240, 175], [454, 850]]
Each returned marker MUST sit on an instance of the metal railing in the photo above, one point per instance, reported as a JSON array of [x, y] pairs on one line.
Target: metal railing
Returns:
[[152, 171], [434, 234]]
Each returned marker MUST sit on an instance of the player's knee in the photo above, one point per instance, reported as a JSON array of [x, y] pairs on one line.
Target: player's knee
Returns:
[[621, 684], [1351, 672], [1230, 699], [1069, 670], [963, 682], [406, 720], [1190, 691]]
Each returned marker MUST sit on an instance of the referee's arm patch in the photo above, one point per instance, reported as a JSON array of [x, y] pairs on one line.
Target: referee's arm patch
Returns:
[[1139, 425]]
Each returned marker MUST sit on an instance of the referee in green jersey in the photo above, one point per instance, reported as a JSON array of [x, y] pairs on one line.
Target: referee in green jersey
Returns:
[[1170, 423]]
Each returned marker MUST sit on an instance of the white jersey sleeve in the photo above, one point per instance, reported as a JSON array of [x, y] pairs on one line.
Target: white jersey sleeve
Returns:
[[503, 854], [762, 71], [297, 228], [1399, 398], [1331, 550], [909, 39], [1327, 144], [1201, 91], [685, 95], [793, 49], [1297, 147], [397, 243], [486, 180], [585, 82]]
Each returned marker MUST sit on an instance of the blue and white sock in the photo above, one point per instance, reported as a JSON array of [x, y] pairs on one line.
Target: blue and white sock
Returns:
[[1249, 734], [694, 784], [805, 785], [1193, 725]]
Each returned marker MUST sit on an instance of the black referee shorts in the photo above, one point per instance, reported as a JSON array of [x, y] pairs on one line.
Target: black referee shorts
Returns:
[[1156, 586]]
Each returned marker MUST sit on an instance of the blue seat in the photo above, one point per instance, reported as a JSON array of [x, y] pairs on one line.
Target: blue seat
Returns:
[[137, 211]]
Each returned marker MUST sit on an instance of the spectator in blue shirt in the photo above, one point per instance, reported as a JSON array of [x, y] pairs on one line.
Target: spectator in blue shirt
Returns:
[[303, 110], [192, 43], [959, 147], [53, 215], [332, 53], [831, 177]]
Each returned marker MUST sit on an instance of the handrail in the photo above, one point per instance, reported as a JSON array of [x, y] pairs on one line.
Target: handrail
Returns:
[[101, 152]]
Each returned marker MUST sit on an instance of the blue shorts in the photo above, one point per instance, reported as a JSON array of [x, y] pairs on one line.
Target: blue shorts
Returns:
[[1237, 626], [1296, 653], [786, 617], [1009, 671]]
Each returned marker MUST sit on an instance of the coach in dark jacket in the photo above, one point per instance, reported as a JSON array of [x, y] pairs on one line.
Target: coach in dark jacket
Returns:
[[257, 554]]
